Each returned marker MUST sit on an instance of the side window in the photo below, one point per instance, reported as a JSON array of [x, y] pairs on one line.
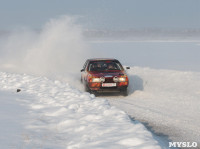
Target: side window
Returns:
[[84, 66], [120, 67], [90, 67]]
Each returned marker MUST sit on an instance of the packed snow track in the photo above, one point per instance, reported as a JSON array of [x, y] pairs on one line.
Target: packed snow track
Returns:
[[166, 101]]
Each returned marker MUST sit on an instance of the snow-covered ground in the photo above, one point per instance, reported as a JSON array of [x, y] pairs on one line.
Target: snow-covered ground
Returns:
[[51, 114], [164, 91], [165, 100]]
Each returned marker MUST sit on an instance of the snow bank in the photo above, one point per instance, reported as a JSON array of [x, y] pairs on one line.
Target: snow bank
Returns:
[[56, 115]]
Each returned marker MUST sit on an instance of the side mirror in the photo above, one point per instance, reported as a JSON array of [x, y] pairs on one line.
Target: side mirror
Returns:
[[127, 67], [82, 70]]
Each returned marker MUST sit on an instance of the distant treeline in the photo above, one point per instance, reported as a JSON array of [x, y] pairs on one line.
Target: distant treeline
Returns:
[[144, 34]]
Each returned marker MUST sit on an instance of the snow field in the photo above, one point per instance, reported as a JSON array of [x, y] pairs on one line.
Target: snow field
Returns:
[[166, 100], [59, 116]]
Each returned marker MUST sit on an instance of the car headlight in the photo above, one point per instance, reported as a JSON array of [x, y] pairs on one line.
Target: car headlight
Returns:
[[97, 80], [122, 79], [102, 79], [119, 79], [116, 79]]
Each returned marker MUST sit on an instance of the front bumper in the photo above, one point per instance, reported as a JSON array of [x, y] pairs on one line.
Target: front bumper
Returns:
[[112, 89], [120, 86]]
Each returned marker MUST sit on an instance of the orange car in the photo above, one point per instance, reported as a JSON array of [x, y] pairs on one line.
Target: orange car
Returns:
[[104, 75]]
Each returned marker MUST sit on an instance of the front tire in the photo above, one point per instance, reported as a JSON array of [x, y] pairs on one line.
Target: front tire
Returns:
[[124, 92], [94, 92], [87, 89]]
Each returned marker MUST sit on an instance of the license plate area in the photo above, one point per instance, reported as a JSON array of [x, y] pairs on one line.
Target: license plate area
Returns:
[[109, 84]]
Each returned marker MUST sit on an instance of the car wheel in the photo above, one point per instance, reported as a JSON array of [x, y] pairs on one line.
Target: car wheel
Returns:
[[124, 92], [94, 92], [87, 89]]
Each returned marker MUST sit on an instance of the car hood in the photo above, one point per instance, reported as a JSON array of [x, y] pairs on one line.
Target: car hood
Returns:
[[108, 74]]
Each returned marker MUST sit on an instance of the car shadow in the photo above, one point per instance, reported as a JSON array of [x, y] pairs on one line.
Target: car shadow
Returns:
[[107, 94], [135, 83]]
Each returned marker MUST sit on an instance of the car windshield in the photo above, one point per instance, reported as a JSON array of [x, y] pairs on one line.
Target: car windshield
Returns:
[[104, 66]]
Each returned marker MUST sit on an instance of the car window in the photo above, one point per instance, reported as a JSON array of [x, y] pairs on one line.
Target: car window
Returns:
[[85, 64], [104, 66]]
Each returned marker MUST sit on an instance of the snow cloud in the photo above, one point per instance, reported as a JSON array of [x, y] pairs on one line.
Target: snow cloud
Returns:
[[58, 48]]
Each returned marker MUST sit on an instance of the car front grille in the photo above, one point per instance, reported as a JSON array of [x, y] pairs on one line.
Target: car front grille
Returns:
[[109, 80]]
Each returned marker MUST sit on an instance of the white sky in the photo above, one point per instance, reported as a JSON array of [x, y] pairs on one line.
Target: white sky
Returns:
[[120, 14]]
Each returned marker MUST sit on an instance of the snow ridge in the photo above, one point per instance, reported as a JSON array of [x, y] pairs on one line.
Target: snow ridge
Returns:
[[63, 117]]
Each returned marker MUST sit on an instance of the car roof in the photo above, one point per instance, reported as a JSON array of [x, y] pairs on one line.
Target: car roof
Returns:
[[101, 59]]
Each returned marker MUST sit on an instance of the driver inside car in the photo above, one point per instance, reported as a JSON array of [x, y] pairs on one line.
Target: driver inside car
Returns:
[[110, 67]]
